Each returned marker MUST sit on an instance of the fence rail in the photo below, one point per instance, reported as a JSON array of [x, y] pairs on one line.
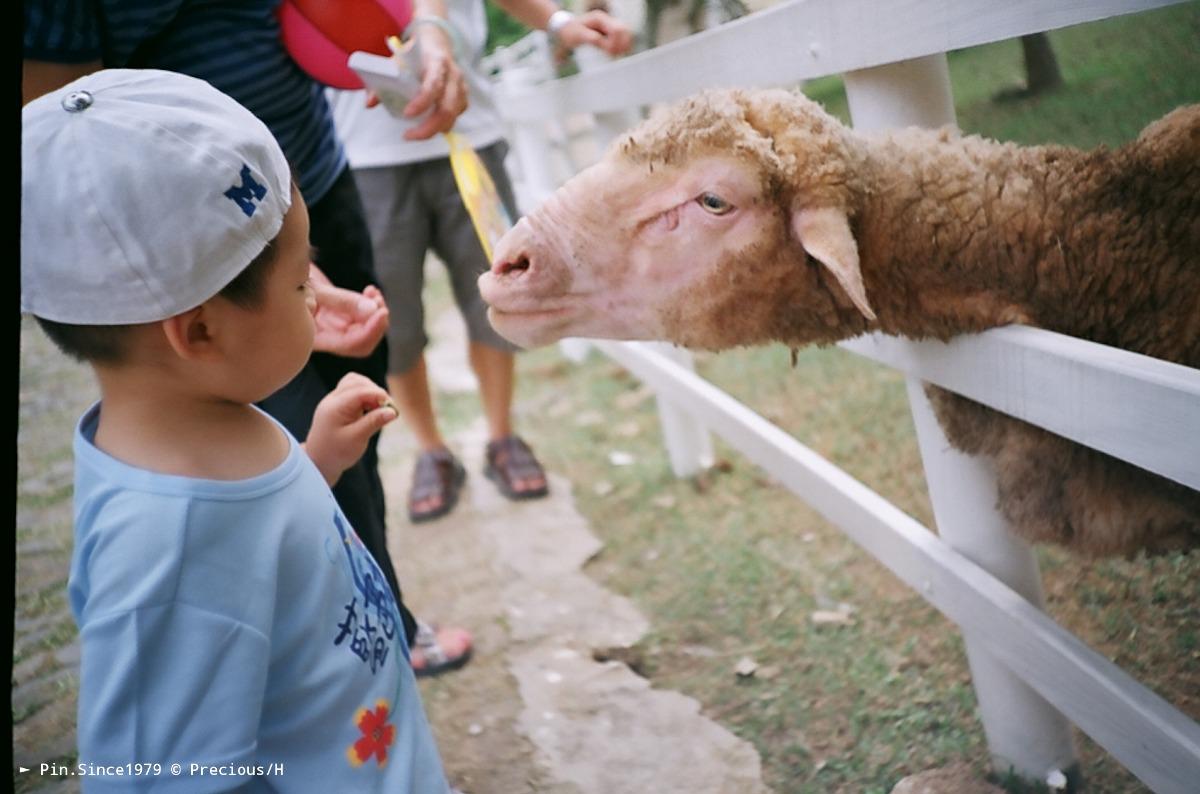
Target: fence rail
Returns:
[[803, 39], [1133, 407], [1029, 673]]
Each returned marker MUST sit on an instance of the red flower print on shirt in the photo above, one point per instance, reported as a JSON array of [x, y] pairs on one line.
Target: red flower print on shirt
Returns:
[[377, 735]]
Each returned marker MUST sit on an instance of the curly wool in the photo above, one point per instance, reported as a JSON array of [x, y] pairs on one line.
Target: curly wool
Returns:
[[957, 234]]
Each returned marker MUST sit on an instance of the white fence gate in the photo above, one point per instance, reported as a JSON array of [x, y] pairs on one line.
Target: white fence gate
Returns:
[[1032, 677]]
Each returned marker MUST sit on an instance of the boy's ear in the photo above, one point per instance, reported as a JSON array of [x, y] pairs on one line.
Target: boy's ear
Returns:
[[190, 334]]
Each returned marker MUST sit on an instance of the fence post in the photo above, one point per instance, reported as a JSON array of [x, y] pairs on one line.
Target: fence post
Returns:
[[530, 141], [1025, 734], [612, 123], [688, 442]]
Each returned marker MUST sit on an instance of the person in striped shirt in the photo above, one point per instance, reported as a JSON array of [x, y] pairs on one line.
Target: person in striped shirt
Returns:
[[235, 46]]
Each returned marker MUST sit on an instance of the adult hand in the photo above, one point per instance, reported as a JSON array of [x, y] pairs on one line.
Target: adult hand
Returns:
[[343, 423], [443, 91], [347, 323], [599, 30]]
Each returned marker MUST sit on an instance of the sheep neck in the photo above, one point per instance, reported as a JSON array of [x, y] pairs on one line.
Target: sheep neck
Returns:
[[961, 234]]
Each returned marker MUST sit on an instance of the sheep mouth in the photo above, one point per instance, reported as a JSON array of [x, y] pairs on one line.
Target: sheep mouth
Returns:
[[531, 314], [511, 287], [529, 327]]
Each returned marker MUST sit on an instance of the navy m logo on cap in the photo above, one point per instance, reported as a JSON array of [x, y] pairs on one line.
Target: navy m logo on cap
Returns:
[[245, 194]]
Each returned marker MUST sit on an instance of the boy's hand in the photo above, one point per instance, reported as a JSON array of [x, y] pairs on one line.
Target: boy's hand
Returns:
[[348, 323], [344, 422]]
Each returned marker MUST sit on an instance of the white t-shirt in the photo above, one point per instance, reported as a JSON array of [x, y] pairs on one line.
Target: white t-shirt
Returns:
[[374, 137]]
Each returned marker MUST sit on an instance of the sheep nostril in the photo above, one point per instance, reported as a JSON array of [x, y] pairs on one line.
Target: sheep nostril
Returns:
[[518, 265]]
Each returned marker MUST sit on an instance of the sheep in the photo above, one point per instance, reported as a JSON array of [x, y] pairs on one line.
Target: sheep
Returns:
[[743, 217]]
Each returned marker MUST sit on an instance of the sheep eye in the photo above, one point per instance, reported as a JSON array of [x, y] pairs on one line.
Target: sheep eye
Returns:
[[714, 203]]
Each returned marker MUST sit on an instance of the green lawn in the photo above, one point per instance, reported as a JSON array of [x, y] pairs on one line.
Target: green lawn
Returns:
[[1119, 74]]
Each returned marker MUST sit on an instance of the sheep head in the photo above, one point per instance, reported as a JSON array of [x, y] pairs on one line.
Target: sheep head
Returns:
[[725, 221]]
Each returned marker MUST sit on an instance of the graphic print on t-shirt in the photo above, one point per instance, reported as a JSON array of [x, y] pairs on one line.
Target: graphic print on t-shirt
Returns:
[[377, 735], [370, 619]]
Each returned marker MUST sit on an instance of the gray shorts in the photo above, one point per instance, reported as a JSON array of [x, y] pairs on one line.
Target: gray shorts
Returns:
[[410, 209]]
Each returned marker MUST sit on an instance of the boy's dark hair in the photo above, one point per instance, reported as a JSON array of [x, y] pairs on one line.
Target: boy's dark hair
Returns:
[[247, 288], [106, 344]]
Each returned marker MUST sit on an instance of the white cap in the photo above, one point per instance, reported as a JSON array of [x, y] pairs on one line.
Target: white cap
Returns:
[[143, 193]]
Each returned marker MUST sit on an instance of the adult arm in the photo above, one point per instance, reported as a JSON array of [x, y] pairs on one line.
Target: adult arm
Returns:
[[595, 27], [443, 91]]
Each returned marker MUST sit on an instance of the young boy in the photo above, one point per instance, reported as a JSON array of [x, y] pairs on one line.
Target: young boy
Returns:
[[235, 631]]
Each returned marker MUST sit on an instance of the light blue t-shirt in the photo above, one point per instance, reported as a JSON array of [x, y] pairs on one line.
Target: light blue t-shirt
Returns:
[[237, 625]]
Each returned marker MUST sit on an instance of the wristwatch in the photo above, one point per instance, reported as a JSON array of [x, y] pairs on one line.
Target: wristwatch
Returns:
[[558, 20]]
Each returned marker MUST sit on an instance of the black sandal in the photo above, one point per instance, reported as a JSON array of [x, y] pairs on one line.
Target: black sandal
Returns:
[[437, 473], [510, 459]]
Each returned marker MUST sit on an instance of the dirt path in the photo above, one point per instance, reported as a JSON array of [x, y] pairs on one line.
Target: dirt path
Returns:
[[534, 710]]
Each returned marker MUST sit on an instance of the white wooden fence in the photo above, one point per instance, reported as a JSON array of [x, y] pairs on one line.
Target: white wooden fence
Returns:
[[1032, 677]]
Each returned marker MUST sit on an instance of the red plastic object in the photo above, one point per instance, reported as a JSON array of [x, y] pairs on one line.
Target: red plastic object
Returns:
[[321, 34]]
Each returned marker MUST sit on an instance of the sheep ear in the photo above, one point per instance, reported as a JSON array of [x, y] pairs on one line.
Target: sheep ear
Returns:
[[825, 235]]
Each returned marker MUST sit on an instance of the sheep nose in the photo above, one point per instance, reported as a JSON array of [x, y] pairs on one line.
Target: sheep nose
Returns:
[[510, 266], [512, 255]]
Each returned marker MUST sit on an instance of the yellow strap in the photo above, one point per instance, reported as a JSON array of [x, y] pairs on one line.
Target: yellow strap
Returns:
[[479, 195]]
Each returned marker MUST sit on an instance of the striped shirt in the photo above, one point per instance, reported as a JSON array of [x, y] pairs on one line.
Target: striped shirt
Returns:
[[233, 44]]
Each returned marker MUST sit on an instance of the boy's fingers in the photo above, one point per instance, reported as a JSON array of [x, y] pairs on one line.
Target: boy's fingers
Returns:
[[390, 405], [361, 401], [384, 415], [373, 421], [350, 379], [374, 293], [358, 395], [375, 324], [344, 301]]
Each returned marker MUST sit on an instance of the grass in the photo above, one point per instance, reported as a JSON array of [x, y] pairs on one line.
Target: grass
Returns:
[[731, 566], [1119, 75]]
